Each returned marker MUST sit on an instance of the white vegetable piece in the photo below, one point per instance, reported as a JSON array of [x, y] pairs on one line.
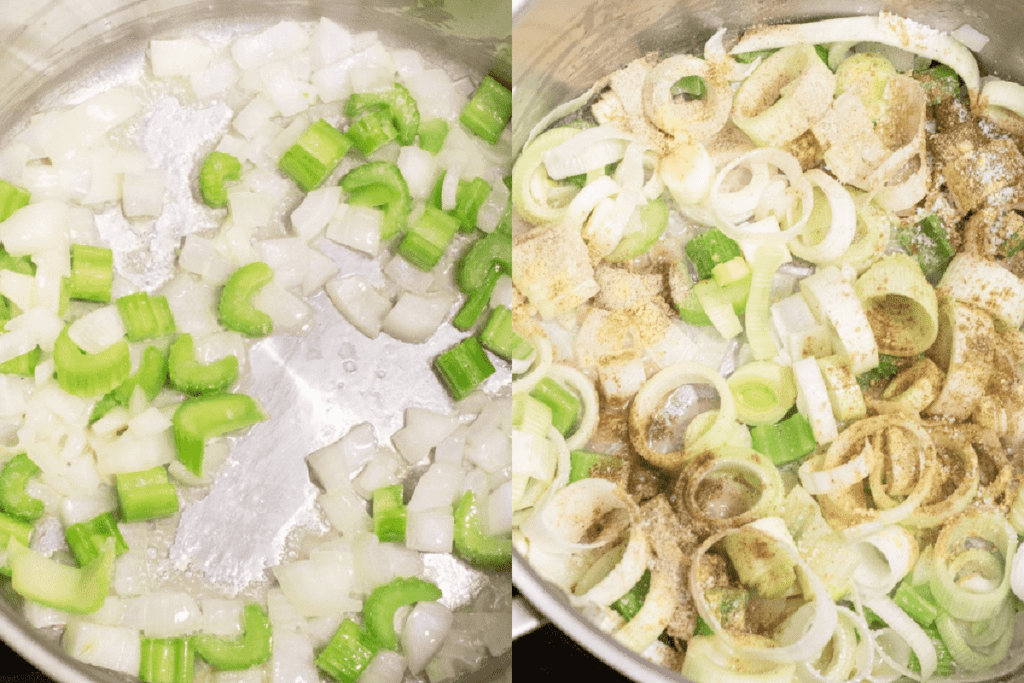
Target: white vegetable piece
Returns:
[[430, 531], [292, 658], [386, 666], [357, 227], [35, 228], [384, 469], [221, 616], [97, 329], [499, 510], [215, 80], [439, 487], [250, 209], [142, 194], [812, 400], [278, 42], [315, 211], [425, 629], [423, 430], [407, 276], [163, 614], [200, 256], [415, 317], [289, 312], [346, 511], [329, 43], [832, 299], [193, 305], [179, 57], [318, 587], [20, 288], [111, 647], [254, 116], [419, 169], [361, 304], [620, 381]]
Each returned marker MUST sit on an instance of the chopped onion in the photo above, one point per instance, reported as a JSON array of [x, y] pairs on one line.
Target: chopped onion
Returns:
[[424, 631]]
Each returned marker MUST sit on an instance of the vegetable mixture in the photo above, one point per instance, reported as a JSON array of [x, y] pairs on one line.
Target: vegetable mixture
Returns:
[[122, 387], [771, 421]]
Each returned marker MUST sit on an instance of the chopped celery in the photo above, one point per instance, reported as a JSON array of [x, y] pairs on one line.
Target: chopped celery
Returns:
[[389, 514], [79, 590], [14, 499], [499, 337], [190, 376], [690, 86], [471, 543], [397, 107], [887, 368], [200, 418], [166, 660], [464, 367], [145, 316], [940, 82], [90, 374], [787, 440], [653, 221], [565, 405], [24, 365], [710, 248], [92, 273], [582, 463], [146, 494], [432, 135], [927, 241], [469, 197], [428, 237], [150, 377], [917, 601], [751, 57], [489, 110], [233, 654], [395, 198], [315, 155], [236, 309], [483, 256], [476, 303], [629, 604], [218, 168], [87, 539], [371, 131], [382, 602], [12, 198], [348, 653], [16, 264], [16, 529]]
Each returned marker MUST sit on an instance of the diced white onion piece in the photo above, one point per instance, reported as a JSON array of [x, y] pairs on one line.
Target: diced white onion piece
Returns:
[[386, 666], [415, 317], [620, 381], [372, 78], [407, 276], [384, 469], [281, 612], [142, 194], [75, 509], [214, 81], [439, 487], [163, 614], [52, 266], [357, 227], [973, 39], [131, 576], [19, 340], [358, 446], [295, 264], [128, 453], [250, 209], [290, 95], [346, 511], [292, 659], [254, 116], [330, 468], [407, 63], [490, 451], [35, 228], [423, 430], [151, 422], [359, 301], [430, 531], [499, 510], [276, 43], [97, 329], [193, 305], [199, 255], [812, 400], [333, 82], [450, 187], [329, 43], [451, 449], [419, 168], [316, 209], [104, 181], [435, 95], [833, 300], [318, 587], [111, 647], [20, 288], [179, 56], [221, 616], [289, 312], [425, 629]]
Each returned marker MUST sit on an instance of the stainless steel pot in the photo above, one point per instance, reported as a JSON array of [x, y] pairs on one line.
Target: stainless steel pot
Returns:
[[562, 47], [55, 47]]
